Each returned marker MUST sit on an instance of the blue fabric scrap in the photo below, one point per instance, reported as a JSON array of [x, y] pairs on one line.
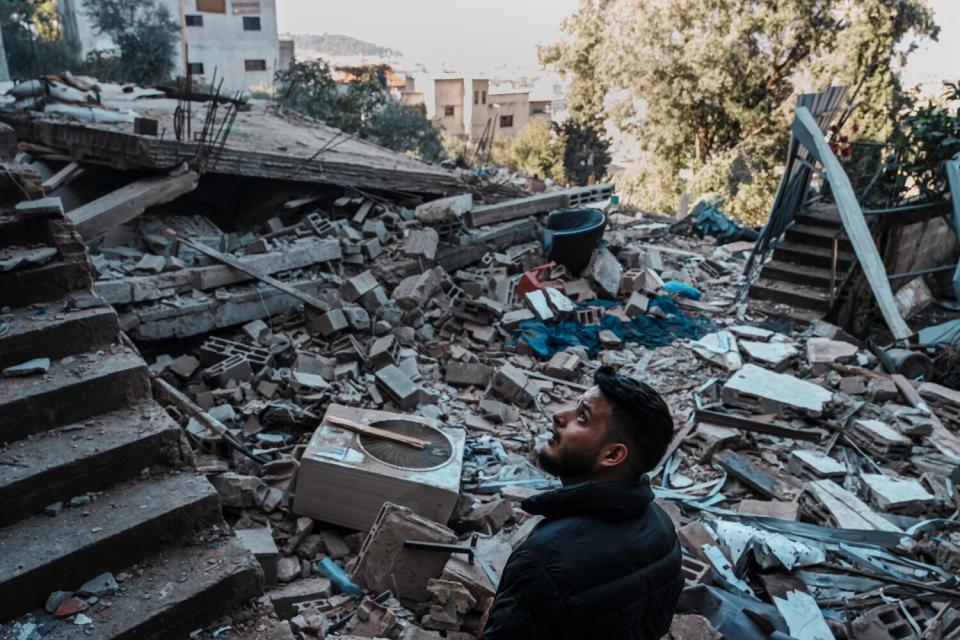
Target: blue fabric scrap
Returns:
[[647, 330]]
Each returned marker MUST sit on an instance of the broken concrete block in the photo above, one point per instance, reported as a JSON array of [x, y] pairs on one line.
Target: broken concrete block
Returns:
[[416, 291], [103, 585], [325, 323], [536, 300], [563, 365], [288, 598], [512, 319], [636, 305], [385, 563], [358, 285], [374, 299], [720, 348], [913, 297], [490, 515], [261, 544], [513, 385], [236, 490], [773, 355], [151, 263], [185, 366], [421, 244], [288, 569], [444, 210], [763, 391], [813, 462], [562, 305], [464, 374], [451, 601], [823, 352], [604, 271], [904, 496], [397, 386], [609, 340]]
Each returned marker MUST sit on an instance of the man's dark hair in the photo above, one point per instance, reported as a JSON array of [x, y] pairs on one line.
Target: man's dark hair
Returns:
[[640, 418]]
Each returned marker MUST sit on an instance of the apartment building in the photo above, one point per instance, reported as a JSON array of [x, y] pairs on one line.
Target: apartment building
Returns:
[[236, 40]]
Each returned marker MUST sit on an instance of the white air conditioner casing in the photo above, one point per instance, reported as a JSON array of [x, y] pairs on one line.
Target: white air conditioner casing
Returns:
[[344, 477]]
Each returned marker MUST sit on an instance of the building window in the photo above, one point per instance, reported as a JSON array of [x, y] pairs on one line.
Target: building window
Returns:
[[251, 23], [506, 122], [255, 65], [483, 97], [195, 68], [476, 97], [193, 20], [212, 6], [538, 109], [449, 111]]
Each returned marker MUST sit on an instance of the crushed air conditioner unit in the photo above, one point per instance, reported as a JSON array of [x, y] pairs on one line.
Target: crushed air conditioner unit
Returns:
[[345, 477]]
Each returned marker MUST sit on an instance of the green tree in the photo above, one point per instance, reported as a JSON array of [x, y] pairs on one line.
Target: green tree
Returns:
[[360, 105], [33, 39], [537, 151], [145, 34], [586, 144], [707, 87]]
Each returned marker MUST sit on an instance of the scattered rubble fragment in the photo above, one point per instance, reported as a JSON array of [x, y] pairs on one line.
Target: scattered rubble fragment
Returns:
[[356, 373]]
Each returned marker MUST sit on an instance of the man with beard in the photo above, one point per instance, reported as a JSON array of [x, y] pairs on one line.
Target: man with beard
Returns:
[[605, 560]]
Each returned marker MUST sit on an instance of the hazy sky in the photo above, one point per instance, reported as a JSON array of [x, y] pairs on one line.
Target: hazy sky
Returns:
[[490, 33]]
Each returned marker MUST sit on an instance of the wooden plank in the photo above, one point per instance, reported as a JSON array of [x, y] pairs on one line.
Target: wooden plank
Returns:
[[756, 426], [942, 438], [66, 175], [364, 429], [126, 203], [307, 299], [855, 225]]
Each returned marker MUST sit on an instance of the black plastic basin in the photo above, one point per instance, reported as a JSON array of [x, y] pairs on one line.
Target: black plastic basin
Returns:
[[571, 235]]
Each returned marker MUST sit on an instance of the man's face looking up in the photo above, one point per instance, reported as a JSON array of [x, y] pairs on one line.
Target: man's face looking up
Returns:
[[578, 438]]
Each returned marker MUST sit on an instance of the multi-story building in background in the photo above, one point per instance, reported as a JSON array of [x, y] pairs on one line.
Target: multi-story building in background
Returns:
[[470, 108], [235, 40]]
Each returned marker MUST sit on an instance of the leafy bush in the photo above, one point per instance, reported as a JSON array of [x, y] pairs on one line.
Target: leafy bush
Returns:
[[537, 151], [361, 106]]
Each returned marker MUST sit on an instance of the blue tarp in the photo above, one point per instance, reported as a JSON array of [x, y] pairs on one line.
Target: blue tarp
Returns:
[[648, 330]]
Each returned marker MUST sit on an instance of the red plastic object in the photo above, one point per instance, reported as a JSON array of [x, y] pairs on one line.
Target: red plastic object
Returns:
[[530, 280]]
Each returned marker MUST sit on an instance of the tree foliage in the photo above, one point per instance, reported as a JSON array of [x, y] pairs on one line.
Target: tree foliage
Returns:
[[33, 39], [145, 34], [586, 152], [537, 151], [360, 105], [707, 86]]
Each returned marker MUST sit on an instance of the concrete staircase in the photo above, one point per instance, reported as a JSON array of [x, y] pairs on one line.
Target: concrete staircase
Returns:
[[94, 475], [799, 272]]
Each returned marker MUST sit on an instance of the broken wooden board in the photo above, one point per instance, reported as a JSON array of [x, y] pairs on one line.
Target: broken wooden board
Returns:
[[65, 176], [126, 203], [807, 131]]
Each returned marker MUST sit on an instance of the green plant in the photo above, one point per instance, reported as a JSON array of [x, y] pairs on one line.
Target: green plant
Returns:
[[361, 105], [537, 151], [145, 35]]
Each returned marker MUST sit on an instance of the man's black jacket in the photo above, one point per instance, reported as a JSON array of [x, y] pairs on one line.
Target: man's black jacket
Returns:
[[604, 563]]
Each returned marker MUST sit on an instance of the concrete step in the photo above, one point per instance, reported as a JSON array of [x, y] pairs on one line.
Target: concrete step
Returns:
[[817, 236], [124, 525], [789, 272], [75, 388], [811, 256], [796, 295], [47, 331], [179, 590], [828, 218], [51, 281], [86, 456]]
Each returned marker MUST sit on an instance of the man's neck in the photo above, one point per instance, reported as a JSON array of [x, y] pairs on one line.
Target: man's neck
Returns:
[[598, 476]]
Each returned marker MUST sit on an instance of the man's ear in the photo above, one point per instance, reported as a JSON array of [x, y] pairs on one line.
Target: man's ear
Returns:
[[614, 454]]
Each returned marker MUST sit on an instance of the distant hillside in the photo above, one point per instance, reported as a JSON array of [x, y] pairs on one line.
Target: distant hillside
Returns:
[[334, 44]]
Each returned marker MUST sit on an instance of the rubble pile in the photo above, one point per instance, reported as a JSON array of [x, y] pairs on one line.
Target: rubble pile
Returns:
[[363, 377]]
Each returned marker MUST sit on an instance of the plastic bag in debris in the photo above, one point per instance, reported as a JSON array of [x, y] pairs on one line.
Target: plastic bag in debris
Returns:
[[647, 330], [675, 287], [707, 220], [735, 616]]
